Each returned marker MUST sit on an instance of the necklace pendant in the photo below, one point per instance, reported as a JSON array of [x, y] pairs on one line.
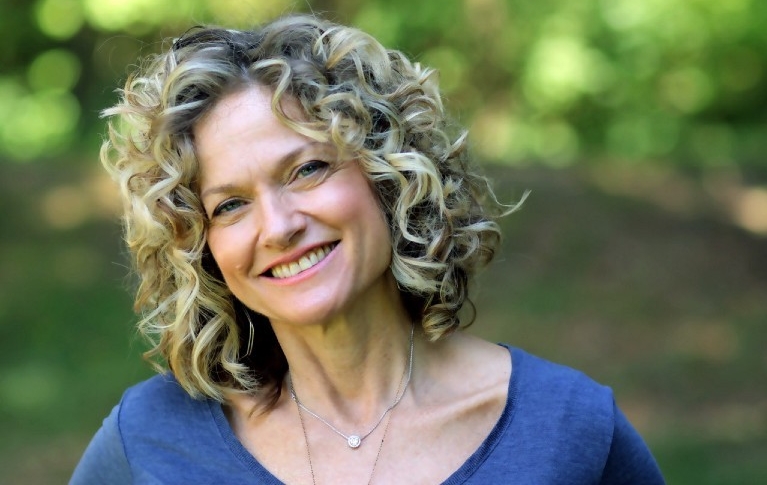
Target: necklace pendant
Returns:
[[354, 441]]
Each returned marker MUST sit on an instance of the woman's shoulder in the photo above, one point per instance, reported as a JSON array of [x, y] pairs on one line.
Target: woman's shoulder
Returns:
[[161, 424], [561, 426], [558, 403], [539, 379], [152, 420], [157, 392], [159, 406]]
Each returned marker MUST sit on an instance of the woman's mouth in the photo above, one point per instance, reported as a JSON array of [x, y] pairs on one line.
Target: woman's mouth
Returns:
[[305, 262]]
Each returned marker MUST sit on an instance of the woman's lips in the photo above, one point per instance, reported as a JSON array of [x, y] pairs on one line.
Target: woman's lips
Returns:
[[306, 261]]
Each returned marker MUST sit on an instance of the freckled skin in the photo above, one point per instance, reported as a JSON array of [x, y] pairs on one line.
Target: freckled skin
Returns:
[[273, 194]]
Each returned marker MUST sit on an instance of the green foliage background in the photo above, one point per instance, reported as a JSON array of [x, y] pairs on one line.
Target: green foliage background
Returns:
[[677, 81], [640, 126]]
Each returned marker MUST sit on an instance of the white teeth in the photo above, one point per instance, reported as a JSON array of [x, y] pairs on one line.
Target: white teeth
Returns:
[[305, 262]]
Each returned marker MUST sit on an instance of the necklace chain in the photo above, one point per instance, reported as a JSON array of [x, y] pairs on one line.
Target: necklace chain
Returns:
[[309, 453], [355, 440]]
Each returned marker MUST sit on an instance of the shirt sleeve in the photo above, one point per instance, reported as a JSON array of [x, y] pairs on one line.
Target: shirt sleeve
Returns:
[[630, 461], [104, 461]]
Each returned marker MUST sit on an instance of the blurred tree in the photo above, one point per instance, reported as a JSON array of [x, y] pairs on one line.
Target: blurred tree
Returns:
[[678, 82]]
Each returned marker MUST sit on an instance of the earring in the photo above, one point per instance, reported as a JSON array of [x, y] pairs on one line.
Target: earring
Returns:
[[251, 332]]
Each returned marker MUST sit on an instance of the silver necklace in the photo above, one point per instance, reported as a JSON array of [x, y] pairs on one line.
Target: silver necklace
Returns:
[[355, 440], [309, 453]]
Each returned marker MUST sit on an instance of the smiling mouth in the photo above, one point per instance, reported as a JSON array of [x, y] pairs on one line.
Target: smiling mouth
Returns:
[[308, 260]]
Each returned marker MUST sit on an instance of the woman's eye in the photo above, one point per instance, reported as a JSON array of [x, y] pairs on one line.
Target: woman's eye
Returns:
[[227, 206], [310, 168]]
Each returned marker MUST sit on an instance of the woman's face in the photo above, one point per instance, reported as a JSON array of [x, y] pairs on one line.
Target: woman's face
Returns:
[[295, 229]]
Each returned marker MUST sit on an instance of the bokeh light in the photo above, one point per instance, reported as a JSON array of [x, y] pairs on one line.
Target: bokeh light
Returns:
[[59, 19], [54, 70], [38, 124]]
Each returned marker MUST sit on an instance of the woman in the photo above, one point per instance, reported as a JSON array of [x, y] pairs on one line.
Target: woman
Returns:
[[305, 225]]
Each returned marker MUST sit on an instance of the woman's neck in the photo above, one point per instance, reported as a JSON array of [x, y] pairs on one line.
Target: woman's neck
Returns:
[[352, 367]]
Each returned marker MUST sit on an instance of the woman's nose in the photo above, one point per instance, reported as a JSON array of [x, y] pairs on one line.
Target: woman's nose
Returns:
[[281, 223]]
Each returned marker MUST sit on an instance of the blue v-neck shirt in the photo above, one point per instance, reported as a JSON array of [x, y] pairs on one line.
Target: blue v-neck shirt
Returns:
[[558, 427]]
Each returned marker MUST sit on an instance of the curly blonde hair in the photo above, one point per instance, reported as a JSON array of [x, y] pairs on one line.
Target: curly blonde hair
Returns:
[[368, 101]]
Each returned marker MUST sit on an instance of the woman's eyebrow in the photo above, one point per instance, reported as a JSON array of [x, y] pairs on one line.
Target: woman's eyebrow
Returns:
[[286, 159], [219, 189]]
